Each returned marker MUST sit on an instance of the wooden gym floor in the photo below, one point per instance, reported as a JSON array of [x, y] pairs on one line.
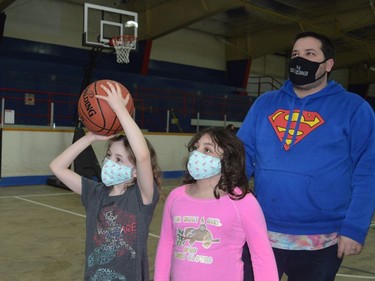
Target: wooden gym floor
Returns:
[[42, 236]]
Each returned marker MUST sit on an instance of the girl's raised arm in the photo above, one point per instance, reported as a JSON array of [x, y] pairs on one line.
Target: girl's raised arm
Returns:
[[136, 139], [60, 165]]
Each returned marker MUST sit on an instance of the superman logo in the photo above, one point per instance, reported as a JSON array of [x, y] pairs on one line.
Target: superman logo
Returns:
[[309, 122]]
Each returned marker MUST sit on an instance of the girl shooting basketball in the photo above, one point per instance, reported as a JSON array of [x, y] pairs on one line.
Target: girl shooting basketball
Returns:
[[120, 209], [207, 220]]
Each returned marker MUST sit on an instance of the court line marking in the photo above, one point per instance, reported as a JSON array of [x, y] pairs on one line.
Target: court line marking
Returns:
[[150, 234], [65, 211], [37, 195], [355, 276], [157, 236], [49, 206]]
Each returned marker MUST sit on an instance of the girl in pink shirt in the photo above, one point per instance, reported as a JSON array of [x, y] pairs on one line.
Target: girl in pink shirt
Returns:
[[207, 220]]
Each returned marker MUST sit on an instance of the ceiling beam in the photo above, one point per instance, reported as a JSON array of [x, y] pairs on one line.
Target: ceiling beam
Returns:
[[356, 56], [346, 21], [260, 44], [170, 16], [4, 4]]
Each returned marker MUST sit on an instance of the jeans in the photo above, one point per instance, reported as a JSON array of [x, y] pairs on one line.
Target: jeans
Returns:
[[319, 265]]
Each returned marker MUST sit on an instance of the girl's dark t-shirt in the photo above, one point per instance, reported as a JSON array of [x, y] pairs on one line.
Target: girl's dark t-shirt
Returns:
[[116, 232]]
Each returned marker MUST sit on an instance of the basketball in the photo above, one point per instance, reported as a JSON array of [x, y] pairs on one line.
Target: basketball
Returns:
[[96, 114]]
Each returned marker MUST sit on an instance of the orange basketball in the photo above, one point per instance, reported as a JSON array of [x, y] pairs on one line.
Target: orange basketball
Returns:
[[96, 114]]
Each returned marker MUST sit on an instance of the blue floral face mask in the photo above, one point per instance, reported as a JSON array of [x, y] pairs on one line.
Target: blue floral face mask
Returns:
[[202, 166], [113, 173]]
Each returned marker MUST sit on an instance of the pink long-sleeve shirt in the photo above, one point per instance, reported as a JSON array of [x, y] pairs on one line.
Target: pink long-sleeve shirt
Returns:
[[202, 239]]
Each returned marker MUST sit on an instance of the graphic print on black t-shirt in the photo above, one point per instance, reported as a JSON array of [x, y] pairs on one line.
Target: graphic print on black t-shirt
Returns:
[[115, 237]]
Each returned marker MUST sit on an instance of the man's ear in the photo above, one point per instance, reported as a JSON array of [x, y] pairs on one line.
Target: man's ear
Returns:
[[329, 65]]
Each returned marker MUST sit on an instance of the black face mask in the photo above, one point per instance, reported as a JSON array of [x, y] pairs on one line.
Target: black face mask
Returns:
[[302, 71]]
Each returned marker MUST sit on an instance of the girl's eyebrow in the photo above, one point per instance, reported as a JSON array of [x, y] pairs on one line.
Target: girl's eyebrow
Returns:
[[212, 146], [115, 154], [119, 155]]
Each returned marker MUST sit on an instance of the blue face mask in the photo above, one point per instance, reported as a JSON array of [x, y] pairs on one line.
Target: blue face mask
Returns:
[[113, 173], [202, 166]]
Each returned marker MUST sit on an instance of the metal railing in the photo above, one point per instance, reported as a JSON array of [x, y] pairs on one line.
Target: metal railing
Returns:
[[157, 110]]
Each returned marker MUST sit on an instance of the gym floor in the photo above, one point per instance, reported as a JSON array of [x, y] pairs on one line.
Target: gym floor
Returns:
[[42, 236]]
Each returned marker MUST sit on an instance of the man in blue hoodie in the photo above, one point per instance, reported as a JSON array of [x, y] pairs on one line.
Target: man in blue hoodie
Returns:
[[311, 148]]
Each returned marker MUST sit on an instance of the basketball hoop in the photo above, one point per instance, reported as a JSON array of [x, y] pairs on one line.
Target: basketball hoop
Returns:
[[123, 45]]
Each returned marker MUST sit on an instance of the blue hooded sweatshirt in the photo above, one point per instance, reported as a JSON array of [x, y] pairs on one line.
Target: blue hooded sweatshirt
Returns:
[[313, 160]]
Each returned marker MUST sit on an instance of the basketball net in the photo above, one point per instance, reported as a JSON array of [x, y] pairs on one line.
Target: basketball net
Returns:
[[123, 45]]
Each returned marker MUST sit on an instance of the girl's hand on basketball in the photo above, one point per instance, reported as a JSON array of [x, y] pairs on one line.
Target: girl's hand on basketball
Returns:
[[114, 97], [95, 137]]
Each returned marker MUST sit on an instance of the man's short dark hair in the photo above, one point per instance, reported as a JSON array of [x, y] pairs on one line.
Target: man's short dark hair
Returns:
[[328, 48]]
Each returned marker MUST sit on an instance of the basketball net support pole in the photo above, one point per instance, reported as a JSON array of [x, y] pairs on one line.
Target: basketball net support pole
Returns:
[[86, 164], [87, 76]]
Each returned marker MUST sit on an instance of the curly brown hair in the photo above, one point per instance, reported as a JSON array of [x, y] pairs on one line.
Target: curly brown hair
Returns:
[[232, 163]]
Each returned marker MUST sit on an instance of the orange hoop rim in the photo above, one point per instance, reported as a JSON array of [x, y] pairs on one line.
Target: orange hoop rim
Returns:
[[125, 38]]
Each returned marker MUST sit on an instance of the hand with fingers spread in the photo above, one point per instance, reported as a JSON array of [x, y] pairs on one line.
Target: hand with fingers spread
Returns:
[[114, 97]]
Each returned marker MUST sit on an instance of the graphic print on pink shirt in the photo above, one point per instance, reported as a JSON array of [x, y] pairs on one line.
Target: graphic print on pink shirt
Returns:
[[189, 238]]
